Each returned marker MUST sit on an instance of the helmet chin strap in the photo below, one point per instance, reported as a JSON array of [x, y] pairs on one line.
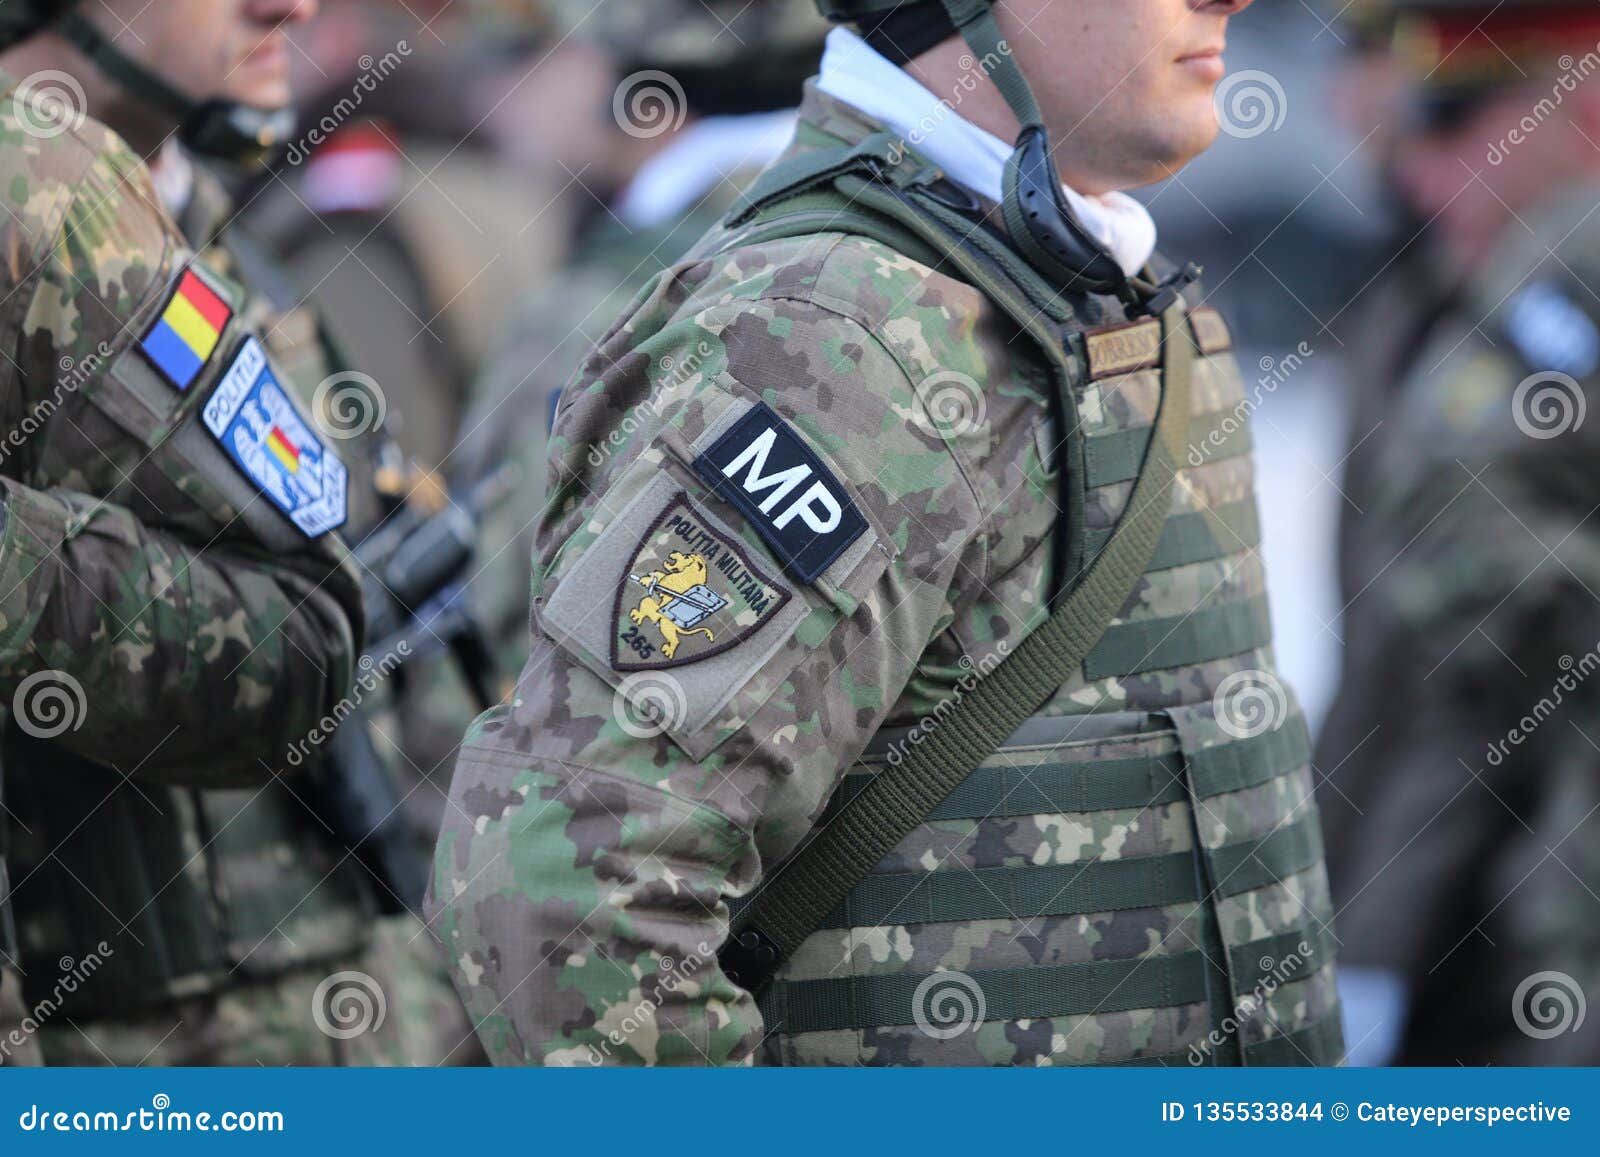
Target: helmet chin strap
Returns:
[[227, 130], [1037, 217]]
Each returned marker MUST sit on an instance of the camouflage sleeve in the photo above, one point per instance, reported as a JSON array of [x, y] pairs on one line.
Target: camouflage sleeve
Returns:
[[140, 573], [751, 539], [208, 660]]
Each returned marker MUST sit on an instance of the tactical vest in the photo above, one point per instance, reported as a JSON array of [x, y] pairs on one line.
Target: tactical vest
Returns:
[[193, 890], [1184, 917]]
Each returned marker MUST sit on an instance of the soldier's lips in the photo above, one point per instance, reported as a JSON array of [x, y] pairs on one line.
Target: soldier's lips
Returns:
[[1206, 64], [272, 53]]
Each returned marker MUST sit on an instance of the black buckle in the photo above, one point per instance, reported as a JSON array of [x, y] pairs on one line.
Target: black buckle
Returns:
[[750, 958], [1168, 292]]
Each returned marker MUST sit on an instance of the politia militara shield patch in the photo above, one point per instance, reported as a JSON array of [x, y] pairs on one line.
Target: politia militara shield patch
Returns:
[[690, 592]]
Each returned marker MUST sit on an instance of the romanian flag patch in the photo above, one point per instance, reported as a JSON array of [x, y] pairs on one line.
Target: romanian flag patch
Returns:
[[186, 334]]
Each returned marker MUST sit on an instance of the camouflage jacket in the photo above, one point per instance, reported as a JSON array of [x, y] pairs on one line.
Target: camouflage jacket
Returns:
[[1462, 806], [654, 759], [176, 616]]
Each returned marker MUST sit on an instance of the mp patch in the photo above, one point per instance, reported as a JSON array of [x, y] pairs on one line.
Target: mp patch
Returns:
[[690, 593], [762, 467], [252, 417]]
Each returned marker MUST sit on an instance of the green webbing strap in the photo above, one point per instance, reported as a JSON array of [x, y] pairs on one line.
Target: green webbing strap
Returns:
[[820, 875], [1138, 781], [1092, 785], [1043, 991], [1198, 536], [1113, 458], [794, 175], [1203, 636], [974, 19], [920, 897]]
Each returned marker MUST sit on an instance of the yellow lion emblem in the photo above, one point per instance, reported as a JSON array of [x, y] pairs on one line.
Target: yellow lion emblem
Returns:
[[676, 598]]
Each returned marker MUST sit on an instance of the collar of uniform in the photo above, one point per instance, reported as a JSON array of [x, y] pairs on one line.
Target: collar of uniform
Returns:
[[855, 73]]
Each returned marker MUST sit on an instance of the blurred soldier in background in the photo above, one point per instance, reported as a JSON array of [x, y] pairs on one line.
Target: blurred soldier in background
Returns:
[[169, 833], [397, 206], [885, 463], [1461, 805], [699, 98]]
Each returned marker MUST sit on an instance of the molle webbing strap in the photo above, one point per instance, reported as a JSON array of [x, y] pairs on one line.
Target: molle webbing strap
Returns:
[[817, 878], [1049, 990]]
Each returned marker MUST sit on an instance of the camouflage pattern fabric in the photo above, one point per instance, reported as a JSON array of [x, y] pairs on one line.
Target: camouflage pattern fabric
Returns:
[[646, 775], [1461, 747], [388, 1006], [506, 427], [159, 781]]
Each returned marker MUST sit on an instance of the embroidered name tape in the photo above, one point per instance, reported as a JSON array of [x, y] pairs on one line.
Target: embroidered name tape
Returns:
[[252, 417], [184, 336], [763, 468]]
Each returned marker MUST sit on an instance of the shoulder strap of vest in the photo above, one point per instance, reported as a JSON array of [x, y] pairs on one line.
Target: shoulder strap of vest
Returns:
[[875, 189], [813, 881]]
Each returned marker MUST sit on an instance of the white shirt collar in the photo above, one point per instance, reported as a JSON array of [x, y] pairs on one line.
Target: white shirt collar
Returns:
[[856, 73], [172, 173]]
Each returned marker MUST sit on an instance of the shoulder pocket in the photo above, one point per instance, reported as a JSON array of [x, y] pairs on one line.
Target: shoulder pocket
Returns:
[[695, 613]]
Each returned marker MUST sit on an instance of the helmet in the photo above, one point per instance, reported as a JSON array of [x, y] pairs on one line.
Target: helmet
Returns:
[[225, 129], [20, 19], [727, 55], [1037, 217]]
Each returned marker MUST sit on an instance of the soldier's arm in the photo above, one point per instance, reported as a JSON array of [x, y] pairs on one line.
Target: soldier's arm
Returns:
[[184, 646], [583, 885], [171, 659]]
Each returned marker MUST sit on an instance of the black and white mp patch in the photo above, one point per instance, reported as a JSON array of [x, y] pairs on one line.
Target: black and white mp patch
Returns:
[[762, 467]]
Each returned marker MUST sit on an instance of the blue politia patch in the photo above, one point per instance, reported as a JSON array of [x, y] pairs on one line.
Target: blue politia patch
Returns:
[[262, 431]]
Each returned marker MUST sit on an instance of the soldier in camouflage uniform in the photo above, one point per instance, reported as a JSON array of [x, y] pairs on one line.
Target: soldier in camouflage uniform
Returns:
[[735, 116], [1462, 805], [886, 425], [182, 621]]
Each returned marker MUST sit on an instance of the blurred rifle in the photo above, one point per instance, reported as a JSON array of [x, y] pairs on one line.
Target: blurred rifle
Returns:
[[413, 573]]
